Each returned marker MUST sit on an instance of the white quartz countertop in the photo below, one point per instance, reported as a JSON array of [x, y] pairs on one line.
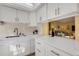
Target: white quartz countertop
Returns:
[[68, 45]]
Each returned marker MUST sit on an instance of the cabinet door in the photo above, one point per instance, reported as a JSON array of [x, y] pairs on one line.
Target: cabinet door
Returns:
[[39, 15], [44, 12], [52, 51], [66, 8], [32, 45], [22, 16], [26, 45], [52, 10], [39, 48], [4, 50], [32, 18], [8, 14]]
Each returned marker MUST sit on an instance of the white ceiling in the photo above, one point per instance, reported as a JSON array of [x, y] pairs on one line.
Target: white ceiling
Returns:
[[23, 6]]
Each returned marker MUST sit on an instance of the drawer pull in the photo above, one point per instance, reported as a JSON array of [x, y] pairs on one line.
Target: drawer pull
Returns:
[[38, 50], [55, 53]]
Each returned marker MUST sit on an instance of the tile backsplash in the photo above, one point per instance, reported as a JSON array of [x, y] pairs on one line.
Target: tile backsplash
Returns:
[[8, 28]]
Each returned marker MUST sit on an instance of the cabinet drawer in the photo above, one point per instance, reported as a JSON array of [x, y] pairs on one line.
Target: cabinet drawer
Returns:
[[39, 48], [39, 52], [38, 44], [52, 51]]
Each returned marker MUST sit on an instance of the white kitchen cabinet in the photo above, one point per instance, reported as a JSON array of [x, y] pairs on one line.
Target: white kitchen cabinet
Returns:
[[43, 48], [4, 50], [7, 14], [32, 45], [44, 12], [61, 9], [32, 18], [52, 51], [22, 16], [52, 10], [66, 8], [39, 48], [39, 15], [25, 45]]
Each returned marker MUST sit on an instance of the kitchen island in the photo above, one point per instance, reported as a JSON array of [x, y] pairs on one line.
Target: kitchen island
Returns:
[[56, 46]]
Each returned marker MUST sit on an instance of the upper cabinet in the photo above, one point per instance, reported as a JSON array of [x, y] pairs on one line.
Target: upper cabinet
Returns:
[[32, 19], [22, 16], [42, 13], [38, 15], [12, 15], [7, 14], [66, 8], [52, 10], [60, 9]]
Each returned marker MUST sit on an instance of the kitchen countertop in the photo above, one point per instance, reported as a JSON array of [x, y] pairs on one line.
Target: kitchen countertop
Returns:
[[68, 45], [14, 39]]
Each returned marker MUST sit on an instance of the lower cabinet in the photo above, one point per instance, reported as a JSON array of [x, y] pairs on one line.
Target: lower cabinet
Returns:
[[44, 49], [25, 48], [4, 50], [28, 45], [20, 46], [52, 51], [32, 45], [39, 48]]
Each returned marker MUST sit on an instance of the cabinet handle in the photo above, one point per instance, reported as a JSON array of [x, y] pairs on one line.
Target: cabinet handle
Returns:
[[55, 53], [55, 12], [40, 18], [38, 50], [58, 11]]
